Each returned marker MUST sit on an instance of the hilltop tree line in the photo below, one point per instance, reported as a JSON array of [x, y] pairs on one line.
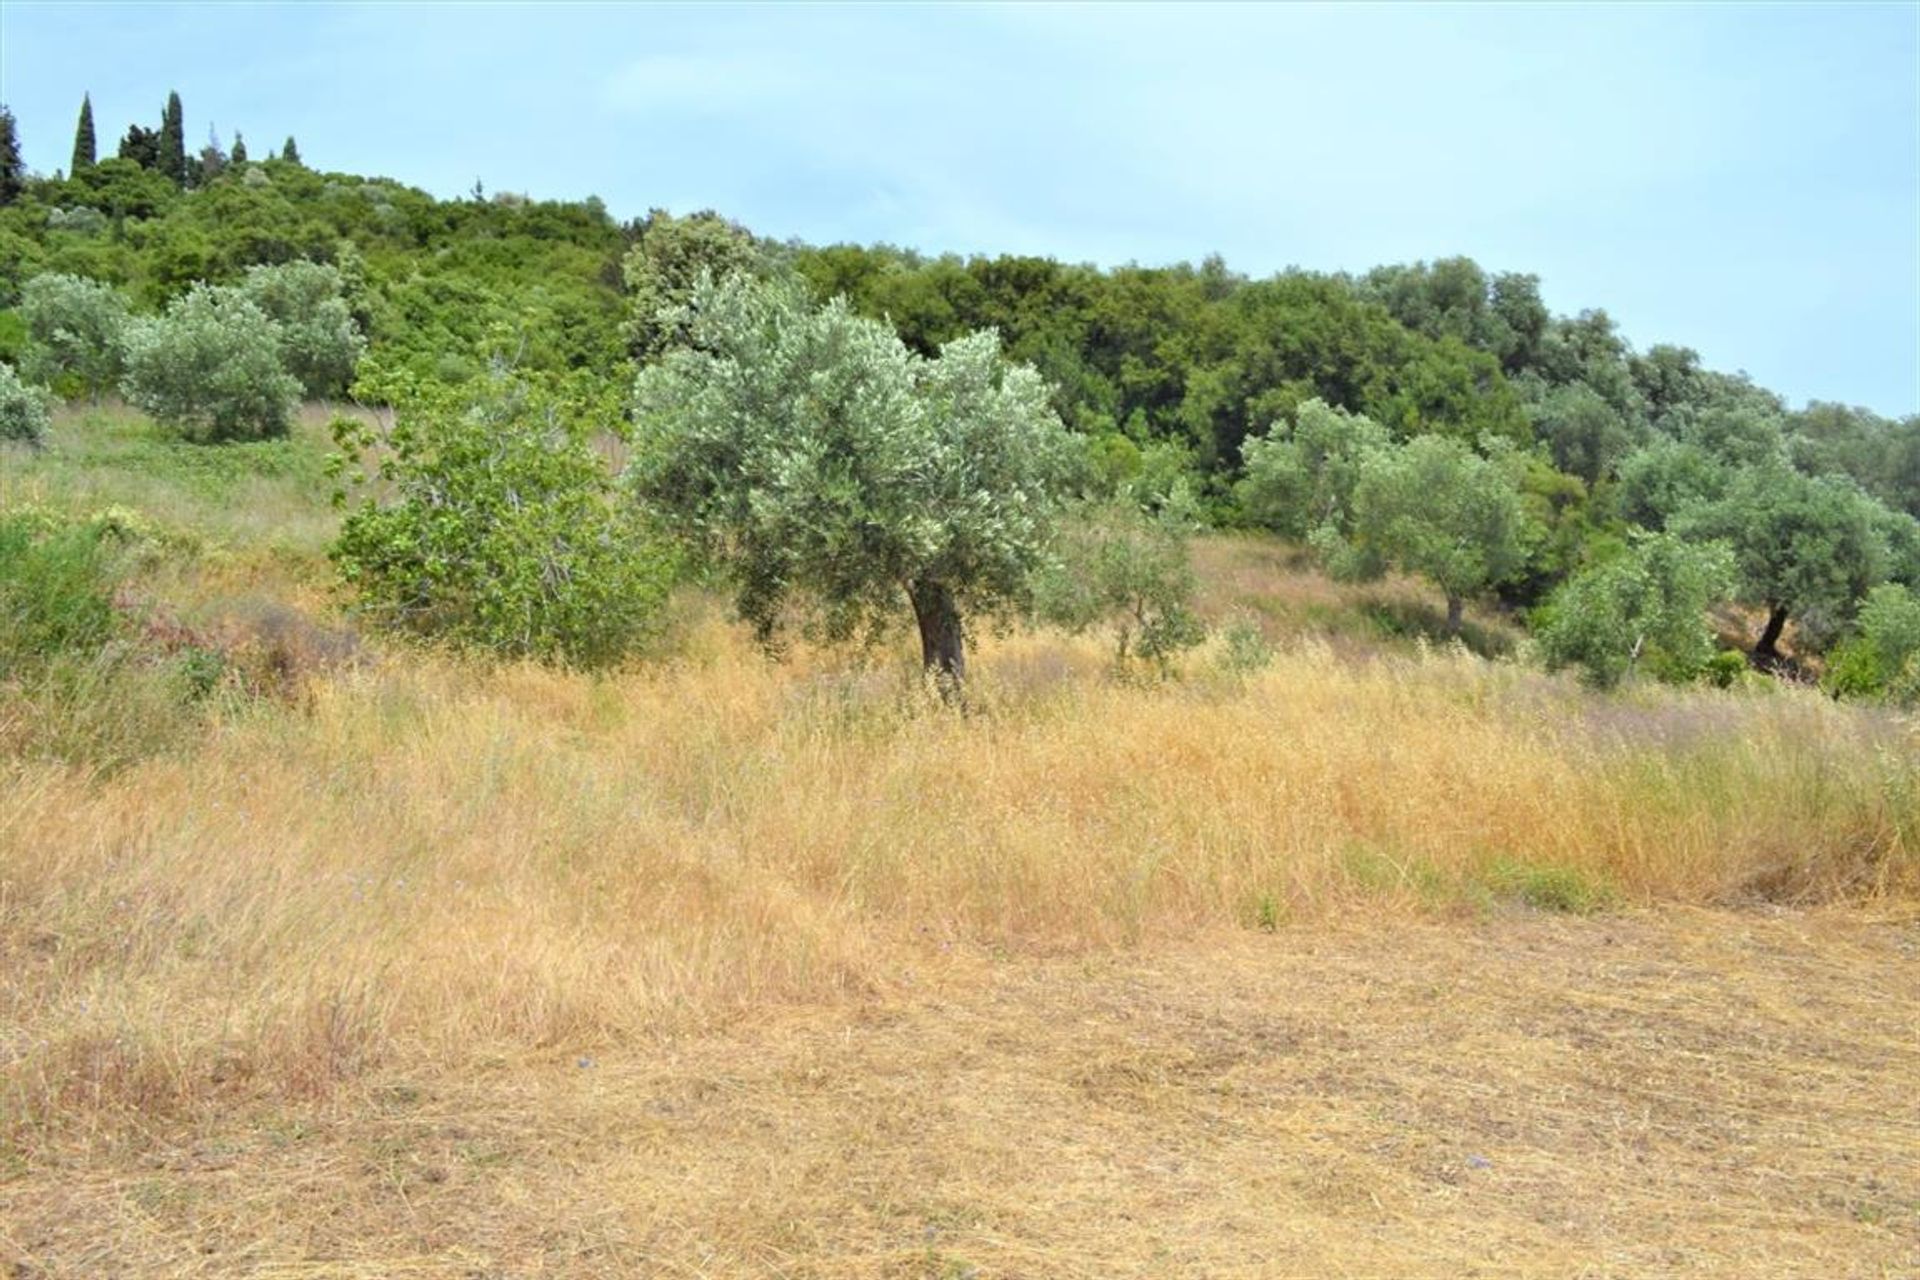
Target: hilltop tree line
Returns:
[[164, 150], [1433, 419]]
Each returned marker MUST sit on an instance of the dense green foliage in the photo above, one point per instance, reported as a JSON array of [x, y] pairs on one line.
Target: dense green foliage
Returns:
[[834, 473], [319, 341], [667, 259], [1435, 509], [1800, 544], [56, 585], [489, 520], [1301, 475], [1883, 658]]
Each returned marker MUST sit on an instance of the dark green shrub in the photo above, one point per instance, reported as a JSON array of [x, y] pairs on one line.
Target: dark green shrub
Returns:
[[1882, 659], [1724, 669]]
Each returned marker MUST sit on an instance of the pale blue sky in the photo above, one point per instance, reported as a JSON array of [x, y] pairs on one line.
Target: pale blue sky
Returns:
[[1744, 179]]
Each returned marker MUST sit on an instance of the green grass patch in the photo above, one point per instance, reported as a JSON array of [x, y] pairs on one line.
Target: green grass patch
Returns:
[[1546, 887], [269, 493], [1385, 871]]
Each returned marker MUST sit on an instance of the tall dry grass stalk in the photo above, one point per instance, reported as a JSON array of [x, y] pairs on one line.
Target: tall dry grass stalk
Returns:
[[433, 862]]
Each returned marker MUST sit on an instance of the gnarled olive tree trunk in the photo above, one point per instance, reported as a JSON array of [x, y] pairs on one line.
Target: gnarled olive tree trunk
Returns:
[[943, 649]]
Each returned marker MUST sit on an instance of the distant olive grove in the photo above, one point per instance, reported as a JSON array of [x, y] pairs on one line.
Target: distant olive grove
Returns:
[[855, 438]]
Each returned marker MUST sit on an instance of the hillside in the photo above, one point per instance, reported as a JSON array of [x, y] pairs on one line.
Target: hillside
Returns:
[[1497, 853], [1170, 377]]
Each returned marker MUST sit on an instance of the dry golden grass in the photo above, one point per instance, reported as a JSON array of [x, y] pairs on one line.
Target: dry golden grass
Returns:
[[873, 989], [1279, 586], [1695, 1093]]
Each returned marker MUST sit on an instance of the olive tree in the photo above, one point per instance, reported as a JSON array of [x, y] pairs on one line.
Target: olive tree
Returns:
[[1436, 509], [836, 475], [1118, 567], [319, 342], [1301, 475], [74, 331], [1646, 607], [210, 368], [1799, 543], [667, 260]]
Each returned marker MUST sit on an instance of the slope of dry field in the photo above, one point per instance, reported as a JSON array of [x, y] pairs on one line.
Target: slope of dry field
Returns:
[[1384, 965], [1684, 1092]]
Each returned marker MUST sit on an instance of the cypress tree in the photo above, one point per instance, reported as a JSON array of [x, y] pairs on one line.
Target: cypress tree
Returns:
[[290, 153], [173, 142], [84, 153], [239, 148], [12, 171]]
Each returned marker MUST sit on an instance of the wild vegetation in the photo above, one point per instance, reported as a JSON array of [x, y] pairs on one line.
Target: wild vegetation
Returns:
[[1144, 825], [1166, 378]]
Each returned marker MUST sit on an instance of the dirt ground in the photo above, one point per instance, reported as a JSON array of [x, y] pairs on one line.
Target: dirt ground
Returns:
[[1651, 1093]]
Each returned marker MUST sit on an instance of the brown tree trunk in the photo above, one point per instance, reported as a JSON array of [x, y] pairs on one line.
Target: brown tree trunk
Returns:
[[943, 650], [1767, 651], [1455, 608]]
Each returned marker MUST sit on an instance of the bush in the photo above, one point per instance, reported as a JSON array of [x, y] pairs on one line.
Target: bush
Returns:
[[501, 530], [1726, 668], [1244, 647], [1645, 609], [319, 343], [23, 410], [210, 368], [79, 681], [1883, 657], [74, 332]]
